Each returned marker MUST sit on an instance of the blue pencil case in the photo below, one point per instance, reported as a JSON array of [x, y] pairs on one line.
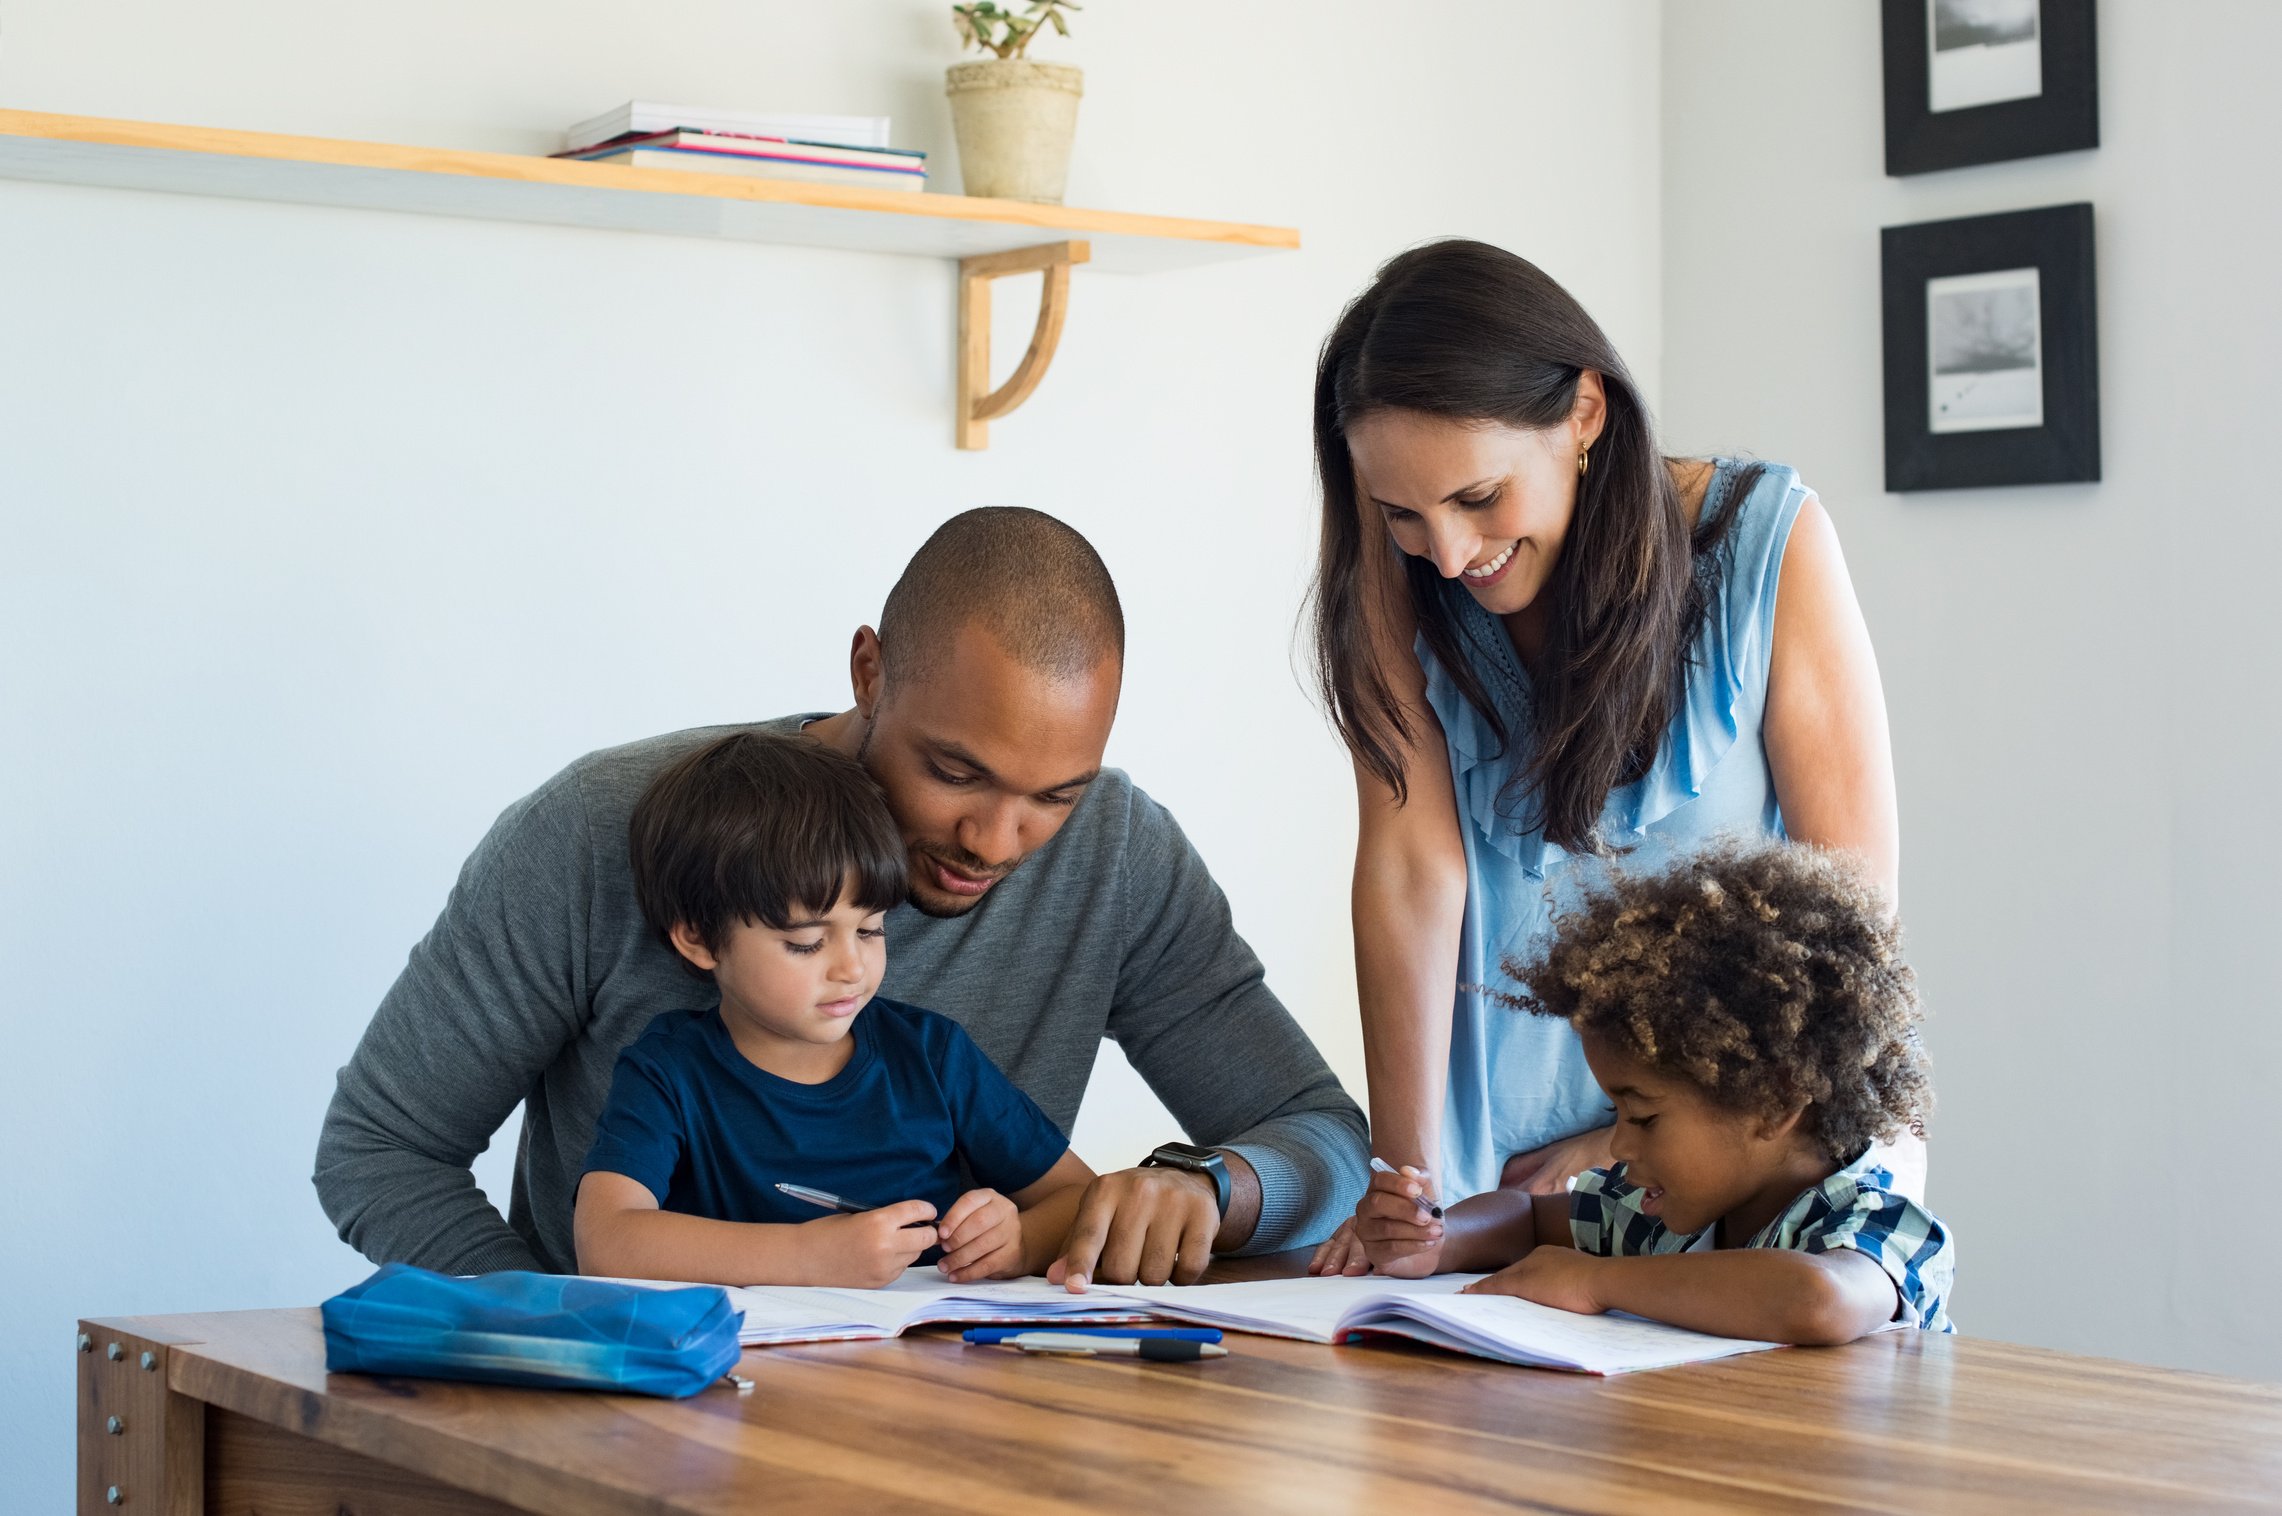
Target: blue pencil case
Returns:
[[552, 1331]]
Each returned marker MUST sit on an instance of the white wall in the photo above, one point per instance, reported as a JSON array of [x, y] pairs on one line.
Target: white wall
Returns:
[[328, 533], [2082, 678]]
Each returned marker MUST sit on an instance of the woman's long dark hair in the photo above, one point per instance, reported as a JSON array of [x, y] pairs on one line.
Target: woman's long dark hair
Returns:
[[1472, 333]]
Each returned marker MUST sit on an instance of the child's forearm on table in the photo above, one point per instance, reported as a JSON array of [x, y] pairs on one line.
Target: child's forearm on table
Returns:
[[1046, 1225], [1488, 1231], [641, 1244], [1767, 1294]]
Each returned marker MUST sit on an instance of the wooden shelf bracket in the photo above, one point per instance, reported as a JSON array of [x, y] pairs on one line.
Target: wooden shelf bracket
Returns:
[[979, 405]]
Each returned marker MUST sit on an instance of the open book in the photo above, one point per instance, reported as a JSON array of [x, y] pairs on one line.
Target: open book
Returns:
[[1336, 1309], [1432, 1311], [778, 1314]]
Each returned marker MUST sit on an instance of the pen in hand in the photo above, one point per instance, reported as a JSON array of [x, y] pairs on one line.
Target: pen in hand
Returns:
[[825, 1199], [1382, 1166]]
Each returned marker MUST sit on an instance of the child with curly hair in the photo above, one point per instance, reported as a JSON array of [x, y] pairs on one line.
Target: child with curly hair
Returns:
[[1749, 1015]]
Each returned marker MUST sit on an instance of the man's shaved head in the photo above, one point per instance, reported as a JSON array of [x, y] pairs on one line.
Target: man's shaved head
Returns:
[[1033, 583], [984, 701]]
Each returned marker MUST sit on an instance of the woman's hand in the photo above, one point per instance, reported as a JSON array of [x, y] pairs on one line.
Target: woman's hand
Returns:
[[981, 1238], [1340, 1253], [1559, 1277], [1401, 1240], [1548, 1170]]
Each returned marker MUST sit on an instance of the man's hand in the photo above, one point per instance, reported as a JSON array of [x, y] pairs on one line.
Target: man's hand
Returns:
[[1144, 1226], [869, 1250], [1559, 1277], [982, 1238]]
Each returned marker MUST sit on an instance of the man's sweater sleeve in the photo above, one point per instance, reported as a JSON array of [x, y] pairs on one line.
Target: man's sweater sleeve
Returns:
[[1196, 1019], [488, 999]]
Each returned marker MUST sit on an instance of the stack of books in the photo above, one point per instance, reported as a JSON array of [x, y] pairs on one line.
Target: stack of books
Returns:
[[818, 149]]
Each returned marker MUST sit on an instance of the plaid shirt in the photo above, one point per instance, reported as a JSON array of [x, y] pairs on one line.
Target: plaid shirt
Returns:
[[1855, 1209]]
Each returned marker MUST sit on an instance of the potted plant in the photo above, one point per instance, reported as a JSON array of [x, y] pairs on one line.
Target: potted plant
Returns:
[[1014, 118]]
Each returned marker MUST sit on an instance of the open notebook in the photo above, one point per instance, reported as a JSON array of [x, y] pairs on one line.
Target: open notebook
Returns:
[[1431, 1311], [776, 1314]]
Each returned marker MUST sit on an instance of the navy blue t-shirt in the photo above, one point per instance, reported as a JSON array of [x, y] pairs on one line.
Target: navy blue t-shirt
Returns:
[[712, 1135]]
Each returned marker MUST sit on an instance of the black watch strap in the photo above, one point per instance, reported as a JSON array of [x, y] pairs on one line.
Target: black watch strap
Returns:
[[1179, 1155]]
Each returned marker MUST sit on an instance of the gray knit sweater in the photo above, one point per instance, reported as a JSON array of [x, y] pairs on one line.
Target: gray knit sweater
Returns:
[[540, 970]]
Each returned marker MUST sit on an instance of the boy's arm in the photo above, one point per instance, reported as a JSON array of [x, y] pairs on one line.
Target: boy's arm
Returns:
[[987, 1235], [1479, 1233], [621, 1232], [1767, 1294], [1491, 1230], [1049, 1207]]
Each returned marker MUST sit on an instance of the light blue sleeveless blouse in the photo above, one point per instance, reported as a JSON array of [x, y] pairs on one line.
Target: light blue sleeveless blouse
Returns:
[[1519, 1081]]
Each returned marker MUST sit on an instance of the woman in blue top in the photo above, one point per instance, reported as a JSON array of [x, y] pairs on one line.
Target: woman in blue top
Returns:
[[1550, 649]]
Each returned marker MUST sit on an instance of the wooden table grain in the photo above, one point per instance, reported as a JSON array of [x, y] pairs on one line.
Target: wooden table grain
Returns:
[[235, 1414]]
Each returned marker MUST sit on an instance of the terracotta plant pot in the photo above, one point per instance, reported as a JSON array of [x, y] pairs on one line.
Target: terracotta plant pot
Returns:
[[1015, 120]]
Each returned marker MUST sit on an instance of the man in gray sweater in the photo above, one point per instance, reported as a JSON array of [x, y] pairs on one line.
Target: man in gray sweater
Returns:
[[1052, 904]]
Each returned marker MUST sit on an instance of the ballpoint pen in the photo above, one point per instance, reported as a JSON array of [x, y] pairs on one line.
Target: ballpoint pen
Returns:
[[1082, 1345], [1384, 1167], [992, 1336], [826, 1199]]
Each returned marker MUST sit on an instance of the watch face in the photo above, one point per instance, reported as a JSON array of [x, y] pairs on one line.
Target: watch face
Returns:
[[1182, 1153]]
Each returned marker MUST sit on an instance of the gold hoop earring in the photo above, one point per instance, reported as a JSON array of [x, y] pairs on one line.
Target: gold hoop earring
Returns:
[[1584, 456]]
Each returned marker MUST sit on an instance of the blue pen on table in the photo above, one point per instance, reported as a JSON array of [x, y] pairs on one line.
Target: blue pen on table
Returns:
[[1101, 1345], [1384, 1167], [989, 1336]]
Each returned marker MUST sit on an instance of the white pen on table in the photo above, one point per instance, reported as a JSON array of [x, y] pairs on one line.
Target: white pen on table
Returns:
[[1424, 1204]]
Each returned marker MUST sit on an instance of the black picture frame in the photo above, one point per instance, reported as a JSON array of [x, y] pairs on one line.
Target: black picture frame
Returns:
[[2064, 446], [2063, 118]]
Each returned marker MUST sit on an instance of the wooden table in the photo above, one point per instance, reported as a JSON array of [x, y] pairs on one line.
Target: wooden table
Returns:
[[234, 1413]]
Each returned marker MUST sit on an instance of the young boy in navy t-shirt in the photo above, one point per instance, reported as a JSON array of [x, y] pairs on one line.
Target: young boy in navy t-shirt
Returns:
[[768, 862]]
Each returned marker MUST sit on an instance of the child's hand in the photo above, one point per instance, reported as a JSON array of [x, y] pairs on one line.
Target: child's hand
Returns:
[[871, 1249], [1559, 1277], [982, 1238], [1399, 1239]]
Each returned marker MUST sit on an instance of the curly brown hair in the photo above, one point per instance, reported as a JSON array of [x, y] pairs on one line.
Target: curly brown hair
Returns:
[[1769, 975]]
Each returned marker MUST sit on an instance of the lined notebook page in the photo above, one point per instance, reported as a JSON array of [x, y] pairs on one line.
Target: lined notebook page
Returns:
[[1522, 1331], [1307, 1308]]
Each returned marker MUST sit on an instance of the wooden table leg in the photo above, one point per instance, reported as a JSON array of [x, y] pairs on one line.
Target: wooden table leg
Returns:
[[141, 1446]]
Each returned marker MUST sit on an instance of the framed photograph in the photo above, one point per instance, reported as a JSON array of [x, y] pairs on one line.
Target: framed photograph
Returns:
[[1981, 81], [1992, 351]]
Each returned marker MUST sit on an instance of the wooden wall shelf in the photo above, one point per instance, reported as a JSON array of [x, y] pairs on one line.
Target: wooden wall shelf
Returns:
[[194, 160]]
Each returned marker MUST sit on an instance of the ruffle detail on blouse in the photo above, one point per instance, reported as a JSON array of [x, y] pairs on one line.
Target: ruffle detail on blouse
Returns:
[[1726, 684]]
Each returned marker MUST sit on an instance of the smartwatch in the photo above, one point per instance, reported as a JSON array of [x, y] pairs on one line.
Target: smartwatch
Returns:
[[1179, 1155]]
